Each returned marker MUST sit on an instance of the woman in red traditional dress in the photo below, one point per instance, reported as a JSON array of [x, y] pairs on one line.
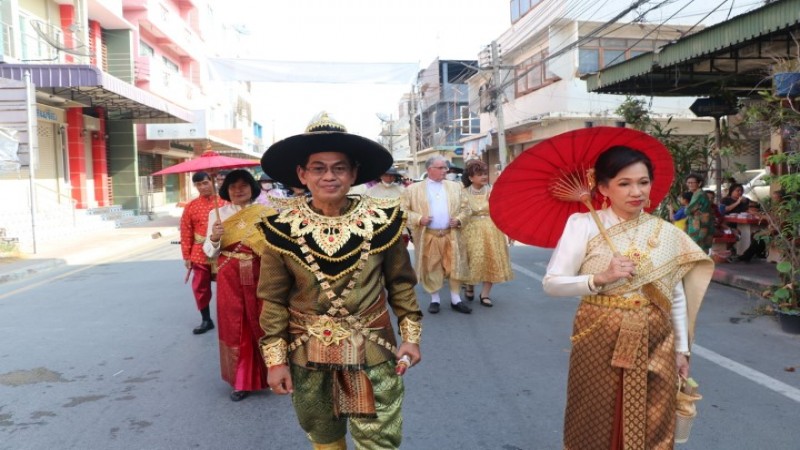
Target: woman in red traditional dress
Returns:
[[236, 241]]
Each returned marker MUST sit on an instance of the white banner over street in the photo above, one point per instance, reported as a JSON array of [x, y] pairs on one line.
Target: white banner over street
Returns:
[[259, 70]]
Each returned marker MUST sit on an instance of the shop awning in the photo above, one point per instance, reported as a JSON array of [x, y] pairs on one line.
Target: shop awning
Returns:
[[733, 55], [90, 86]]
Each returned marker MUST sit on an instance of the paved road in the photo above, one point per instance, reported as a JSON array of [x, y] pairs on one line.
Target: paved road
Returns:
[[102, 357]]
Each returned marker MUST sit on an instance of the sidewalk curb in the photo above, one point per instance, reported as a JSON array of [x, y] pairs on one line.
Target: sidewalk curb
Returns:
[[747, 283], [30, 271], [101, 252]]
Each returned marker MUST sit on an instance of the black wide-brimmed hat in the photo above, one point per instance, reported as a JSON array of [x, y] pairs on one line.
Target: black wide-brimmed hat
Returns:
[[281, 159]]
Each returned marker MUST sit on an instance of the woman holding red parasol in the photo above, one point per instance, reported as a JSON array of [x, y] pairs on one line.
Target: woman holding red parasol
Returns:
[[641, 282]]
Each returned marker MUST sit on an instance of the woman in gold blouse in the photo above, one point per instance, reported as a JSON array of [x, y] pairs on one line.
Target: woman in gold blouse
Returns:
[[487, 247]]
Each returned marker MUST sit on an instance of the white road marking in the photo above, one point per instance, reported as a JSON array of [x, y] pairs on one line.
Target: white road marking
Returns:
[[527, 272], [755, 376], [752, 375]]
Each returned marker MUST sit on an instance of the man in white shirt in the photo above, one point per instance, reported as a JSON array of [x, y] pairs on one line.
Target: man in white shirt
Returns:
[[435, 216]]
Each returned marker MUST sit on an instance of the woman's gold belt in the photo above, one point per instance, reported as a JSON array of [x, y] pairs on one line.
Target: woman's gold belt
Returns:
[[237, 255], [634, 301]]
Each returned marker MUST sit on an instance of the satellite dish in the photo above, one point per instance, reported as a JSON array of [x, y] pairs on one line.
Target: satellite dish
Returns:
[[45, 31]]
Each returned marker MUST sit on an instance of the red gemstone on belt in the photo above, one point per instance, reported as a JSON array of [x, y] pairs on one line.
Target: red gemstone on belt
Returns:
[[327, 332]]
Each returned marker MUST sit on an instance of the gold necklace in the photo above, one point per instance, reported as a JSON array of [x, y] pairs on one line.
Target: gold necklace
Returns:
[[331, 233], [480, 191], [633, 253]]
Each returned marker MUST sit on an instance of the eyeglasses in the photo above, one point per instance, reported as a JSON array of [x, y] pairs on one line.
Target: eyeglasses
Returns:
[[320, 170]]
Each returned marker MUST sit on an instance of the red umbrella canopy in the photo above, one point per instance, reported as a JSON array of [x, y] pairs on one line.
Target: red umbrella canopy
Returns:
[[208, 161], [522, 203]]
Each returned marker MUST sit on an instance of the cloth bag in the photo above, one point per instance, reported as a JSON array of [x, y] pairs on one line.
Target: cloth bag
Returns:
[[686, 410]]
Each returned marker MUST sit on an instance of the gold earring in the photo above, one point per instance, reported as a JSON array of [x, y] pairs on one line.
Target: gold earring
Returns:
[[605, 202], [647, 203]]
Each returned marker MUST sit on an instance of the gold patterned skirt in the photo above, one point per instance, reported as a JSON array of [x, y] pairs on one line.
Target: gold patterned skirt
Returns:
[[487, 252], [613, 408]]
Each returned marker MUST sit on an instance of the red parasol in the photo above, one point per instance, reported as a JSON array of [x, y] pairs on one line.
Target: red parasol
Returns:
[[524, 203], [209, 161]]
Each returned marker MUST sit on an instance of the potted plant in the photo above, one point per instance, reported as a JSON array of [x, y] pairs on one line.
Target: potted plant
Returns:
[[784, 219], [786, 73]]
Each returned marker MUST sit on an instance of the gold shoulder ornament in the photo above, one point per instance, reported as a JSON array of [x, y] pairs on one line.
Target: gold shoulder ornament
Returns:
[[332, 233]]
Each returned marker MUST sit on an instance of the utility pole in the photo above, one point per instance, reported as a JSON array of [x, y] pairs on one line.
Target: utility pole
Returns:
[[498, 99]]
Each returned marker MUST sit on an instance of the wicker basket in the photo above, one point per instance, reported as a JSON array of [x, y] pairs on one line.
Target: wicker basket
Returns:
[[683, 427]]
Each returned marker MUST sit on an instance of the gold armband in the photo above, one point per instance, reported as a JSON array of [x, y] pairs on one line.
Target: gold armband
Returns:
[[410, 331], [275, 353]]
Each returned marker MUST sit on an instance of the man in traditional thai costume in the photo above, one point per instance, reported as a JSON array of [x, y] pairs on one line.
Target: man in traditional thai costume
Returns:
[[435, 216], [330, 261], [194, 225], [268, 191], [389, 187]]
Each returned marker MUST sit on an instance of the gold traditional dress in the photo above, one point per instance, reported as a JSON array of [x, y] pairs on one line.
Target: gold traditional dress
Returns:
[[324, 282], [622, 377], [487, 247]]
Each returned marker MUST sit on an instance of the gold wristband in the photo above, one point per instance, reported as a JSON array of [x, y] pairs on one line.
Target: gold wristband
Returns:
[[410, 331], [275, 353], [686, 354]]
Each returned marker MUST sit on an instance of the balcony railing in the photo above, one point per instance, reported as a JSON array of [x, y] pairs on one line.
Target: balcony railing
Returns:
[[44, 43], [163, 82]]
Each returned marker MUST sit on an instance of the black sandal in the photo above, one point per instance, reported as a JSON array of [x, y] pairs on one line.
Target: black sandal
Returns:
[[469, 292], [486, 301]]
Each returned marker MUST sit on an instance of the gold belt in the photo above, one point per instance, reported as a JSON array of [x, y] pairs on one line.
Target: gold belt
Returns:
[[634, 301], [441, 232], [332, 330], [237, 255]]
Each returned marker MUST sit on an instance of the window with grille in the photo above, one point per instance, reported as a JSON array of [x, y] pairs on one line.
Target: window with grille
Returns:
[[533, 74], [597, 54]]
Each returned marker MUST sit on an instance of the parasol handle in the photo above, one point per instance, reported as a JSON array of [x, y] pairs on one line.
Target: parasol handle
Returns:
[[588, 202], [214, 192]]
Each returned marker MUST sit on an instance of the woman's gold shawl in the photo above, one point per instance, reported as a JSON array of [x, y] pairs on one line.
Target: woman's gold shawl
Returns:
[[242, 227], [665, 256]]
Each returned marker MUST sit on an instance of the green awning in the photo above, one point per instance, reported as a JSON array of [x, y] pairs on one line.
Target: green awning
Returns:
[[734, 54]]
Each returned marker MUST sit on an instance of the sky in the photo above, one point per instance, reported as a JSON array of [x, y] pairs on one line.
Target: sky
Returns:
[[397, 31]]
